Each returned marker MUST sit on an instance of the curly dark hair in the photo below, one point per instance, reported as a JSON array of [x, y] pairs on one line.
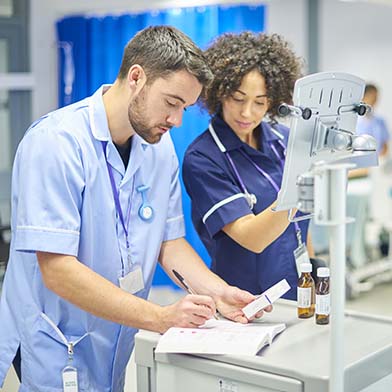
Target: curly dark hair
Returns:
[[232, 56]]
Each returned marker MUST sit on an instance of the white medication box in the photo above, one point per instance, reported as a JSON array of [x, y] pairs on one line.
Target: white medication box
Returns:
[[267, 298]]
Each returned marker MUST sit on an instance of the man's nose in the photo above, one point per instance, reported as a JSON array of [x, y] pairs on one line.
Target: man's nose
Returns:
[[175, 118]]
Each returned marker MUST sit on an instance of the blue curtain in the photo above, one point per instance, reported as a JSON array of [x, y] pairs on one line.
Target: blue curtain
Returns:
[[90, 52]]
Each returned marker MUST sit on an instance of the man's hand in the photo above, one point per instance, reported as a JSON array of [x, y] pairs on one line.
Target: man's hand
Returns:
[[232, 300], [190, 312]]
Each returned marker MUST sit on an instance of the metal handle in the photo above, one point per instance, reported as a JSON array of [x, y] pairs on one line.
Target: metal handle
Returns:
[[299, 218]]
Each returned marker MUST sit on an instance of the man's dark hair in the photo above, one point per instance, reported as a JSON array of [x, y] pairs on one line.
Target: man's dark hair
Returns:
[[232, 56], [162, 50]]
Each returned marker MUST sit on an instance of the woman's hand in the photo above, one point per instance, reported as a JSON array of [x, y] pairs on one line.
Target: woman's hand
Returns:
[[232, 300]]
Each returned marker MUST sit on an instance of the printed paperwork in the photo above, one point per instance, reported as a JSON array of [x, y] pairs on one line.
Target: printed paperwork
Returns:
[[219, 337], [268, 297]]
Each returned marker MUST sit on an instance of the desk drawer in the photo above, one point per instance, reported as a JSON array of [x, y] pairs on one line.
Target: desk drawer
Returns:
[[178, 373]]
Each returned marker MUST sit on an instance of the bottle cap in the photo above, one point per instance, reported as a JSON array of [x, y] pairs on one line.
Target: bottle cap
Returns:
[[323, 272], [306, 267]]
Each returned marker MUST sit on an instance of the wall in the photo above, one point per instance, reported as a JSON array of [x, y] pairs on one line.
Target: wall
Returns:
[[356, 37], [289, 18]]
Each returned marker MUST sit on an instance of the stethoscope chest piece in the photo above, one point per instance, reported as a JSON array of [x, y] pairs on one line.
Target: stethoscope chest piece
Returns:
[[146, 211], [251, 199]]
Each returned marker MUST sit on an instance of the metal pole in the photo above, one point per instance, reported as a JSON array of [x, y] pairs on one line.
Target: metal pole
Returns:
[[337, 246], [313, 32]]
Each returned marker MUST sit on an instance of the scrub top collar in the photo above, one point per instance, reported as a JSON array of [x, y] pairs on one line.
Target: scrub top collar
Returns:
[[101, 132], [98, 120], [271, 132], [225, 134], [232, 142]]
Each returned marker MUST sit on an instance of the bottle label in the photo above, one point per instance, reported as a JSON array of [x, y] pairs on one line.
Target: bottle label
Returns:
[[323, 304], [304, 295]]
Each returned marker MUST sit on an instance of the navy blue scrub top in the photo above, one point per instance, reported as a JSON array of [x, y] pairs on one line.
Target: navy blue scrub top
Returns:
[[217, 200]]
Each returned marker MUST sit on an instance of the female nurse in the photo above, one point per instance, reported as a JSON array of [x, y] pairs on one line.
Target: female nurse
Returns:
[[233, 171]]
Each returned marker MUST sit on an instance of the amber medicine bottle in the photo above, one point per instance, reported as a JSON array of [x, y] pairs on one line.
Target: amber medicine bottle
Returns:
[[323, 300], [305, 292]]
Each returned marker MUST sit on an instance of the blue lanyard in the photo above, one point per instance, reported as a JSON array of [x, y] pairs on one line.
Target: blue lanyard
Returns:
[[116, 198], [257, 167], [265, 174], [262, 171]]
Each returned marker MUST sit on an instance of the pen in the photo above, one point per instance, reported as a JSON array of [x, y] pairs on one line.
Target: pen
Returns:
[[182, 281], [187, 287]]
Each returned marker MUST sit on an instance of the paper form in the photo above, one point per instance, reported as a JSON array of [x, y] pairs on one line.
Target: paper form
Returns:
[[219, 337]]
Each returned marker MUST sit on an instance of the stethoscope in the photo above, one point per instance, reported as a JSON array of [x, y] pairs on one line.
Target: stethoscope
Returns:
[[251, 197]]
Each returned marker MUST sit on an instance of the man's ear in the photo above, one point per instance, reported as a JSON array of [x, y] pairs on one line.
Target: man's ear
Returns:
[[136, 77]]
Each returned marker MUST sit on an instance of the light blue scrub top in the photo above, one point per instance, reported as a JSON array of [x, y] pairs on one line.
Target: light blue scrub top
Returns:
[[62, 202], [375, 126]]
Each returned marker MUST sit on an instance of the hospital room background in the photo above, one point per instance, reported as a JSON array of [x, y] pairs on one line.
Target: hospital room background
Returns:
[[55, 52]]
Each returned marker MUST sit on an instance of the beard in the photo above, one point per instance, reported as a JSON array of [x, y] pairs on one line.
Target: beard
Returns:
[[137, 113]]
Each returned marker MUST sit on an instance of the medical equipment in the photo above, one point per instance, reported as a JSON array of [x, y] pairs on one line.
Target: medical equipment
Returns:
[[322, 146]]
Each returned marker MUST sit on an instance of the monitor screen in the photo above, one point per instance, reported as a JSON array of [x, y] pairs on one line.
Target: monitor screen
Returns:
[[323, 134]]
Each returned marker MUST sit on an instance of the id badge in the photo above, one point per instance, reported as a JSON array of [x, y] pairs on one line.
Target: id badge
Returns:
[[70, 379], [301, 256], [133, 281]]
